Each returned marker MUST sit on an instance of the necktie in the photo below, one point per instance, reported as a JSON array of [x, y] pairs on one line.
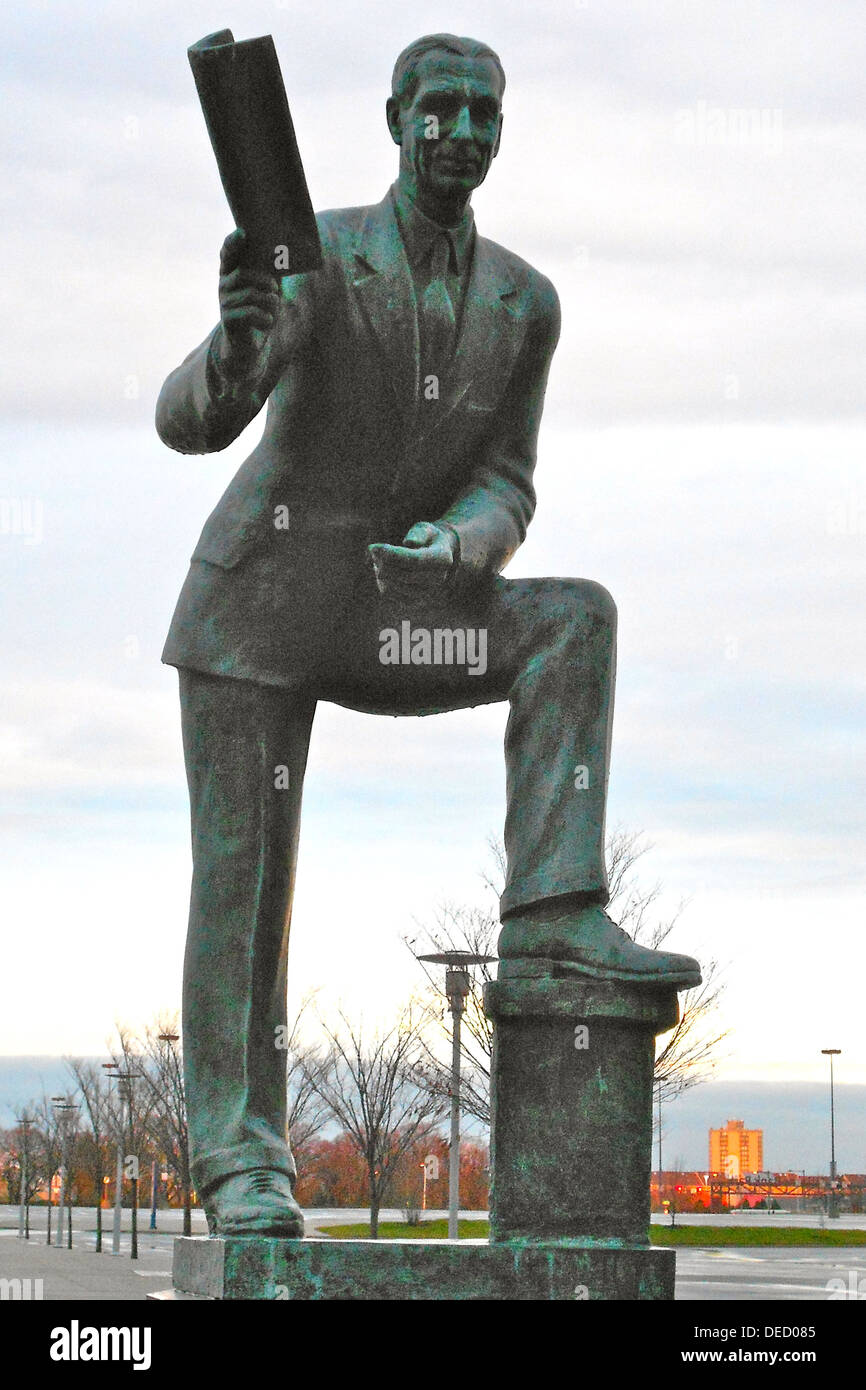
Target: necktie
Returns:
[[440, 319]]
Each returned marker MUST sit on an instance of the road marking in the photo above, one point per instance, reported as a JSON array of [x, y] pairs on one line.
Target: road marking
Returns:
[[732, 1255]]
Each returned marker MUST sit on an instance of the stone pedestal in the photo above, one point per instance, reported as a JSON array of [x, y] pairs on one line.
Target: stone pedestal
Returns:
[[572, 1095], [571, 1154], [263, 1268]]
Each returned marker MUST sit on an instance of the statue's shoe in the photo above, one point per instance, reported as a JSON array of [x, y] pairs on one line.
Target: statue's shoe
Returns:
[[587, 942], [257, 1202]]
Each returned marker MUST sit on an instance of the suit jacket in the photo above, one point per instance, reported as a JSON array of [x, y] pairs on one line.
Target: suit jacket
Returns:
[[353, 450]]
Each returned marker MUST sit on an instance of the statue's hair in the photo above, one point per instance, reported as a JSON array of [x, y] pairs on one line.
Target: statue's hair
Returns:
[[404, 81]]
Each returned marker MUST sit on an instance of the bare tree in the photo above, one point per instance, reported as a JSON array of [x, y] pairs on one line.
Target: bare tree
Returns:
[[372, 1089], [306, 1071], [49, 1136], [132, 1102], [684, 1057], [92, 1086], [163, 1071], [19, 1149]]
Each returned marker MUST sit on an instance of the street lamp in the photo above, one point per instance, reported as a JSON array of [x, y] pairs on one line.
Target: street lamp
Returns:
[[57, 1103], [659, 1113], [832, 1211], [129, 1077], [62, 1107], [24, 1121], [111, 1069], [457, 988]]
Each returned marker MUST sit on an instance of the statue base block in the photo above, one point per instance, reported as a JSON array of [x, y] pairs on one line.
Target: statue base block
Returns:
[[572, 1105], [261, 1267]]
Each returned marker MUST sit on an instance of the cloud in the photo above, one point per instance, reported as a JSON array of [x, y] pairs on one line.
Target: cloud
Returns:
[[708, 275], [701, 455]]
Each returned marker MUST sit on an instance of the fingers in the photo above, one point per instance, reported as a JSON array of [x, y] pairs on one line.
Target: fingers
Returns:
[[407, 571], [249, 299], [235, 276], [241, 277], [245, 296], [404, 557], [247, 316], [412, 557], [422, 533], [239, 306], [232, 250]]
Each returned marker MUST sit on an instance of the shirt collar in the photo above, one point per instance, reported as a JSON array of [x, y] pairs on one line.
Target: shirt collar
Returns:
[[419, 232]]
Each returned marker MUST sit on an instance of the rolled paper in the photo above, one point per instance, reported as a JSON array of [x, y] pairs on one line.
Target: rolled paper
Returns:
[[246, 111]]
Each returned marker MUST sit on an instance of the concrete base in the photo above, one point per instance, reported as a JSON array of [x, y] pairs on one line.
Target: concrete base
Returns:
[[572, 1105], [317, 1270]]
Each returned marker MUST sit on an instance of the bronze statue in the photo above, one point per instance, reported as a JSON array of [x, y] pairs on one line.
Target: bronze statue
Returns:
[[356, 558]]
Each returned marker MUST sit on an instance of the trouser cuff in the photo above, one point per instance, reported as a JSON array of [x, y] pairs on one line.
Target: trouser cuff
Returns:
[[523, 896], [210, 1170]]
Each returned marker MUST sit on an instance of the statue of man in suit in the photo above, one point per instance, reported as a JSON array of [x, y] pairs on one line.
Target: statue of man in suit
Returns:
[[356, 557]]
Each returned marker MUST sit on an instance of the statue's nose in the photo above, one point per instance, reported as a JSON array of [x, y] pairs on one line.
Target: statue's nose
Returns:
[[463, 126]]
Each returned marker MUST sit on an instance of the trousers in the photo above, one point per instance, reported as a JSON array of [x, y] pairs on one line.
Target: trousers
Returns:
[[547, 646]]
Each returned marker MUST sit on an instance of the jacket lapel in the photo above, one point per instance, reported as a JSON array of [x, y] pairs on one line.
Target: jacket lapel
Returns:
[[489, 336], [383, 284]]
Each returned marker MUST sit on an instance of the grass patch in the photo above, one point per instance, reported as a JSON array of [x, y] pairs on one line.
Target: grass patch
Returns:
[[401, 1230], [698, 1236], [753, 1235]]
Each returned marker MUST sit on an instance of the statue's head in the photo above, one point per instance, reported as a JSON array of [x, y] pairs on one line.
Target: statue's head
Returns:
[[445, 113]]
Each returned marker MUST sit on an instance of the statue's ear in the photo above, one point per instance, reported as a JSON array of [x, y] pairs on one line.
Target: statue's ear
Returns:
[[392, 115], [498, 138]]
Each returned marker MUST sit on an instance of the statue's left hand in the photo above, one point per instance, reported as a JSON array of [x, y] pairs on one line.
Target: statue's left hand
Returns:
[[420, 566]]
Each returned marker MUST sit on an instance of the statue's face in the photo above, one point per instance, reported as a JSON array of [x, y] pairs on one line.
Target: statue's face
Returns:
[[449, 133]]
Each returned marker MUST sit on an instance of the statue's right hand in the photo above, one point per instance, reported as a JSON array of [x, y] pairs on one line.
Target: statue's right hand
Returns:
[[249, 302]]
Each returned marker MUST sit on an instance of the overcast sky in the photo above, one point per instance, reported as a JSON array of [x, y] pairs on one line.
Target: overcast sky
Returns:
[[692, 180]]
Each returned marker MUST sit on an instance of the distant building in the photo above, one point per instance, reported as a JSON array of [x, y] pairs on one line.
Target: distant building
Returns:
[[735, 1150]]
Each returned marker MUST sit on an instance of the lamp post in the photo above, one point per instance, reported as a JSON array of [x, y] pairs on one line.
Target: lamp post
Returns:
[[832, 1210], [58, 1238], [457, 987], [154, 1178], [111, 1068], [659, 1112], [128, 1077], [57, 1106], [62, 1107], [24, 1121]]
